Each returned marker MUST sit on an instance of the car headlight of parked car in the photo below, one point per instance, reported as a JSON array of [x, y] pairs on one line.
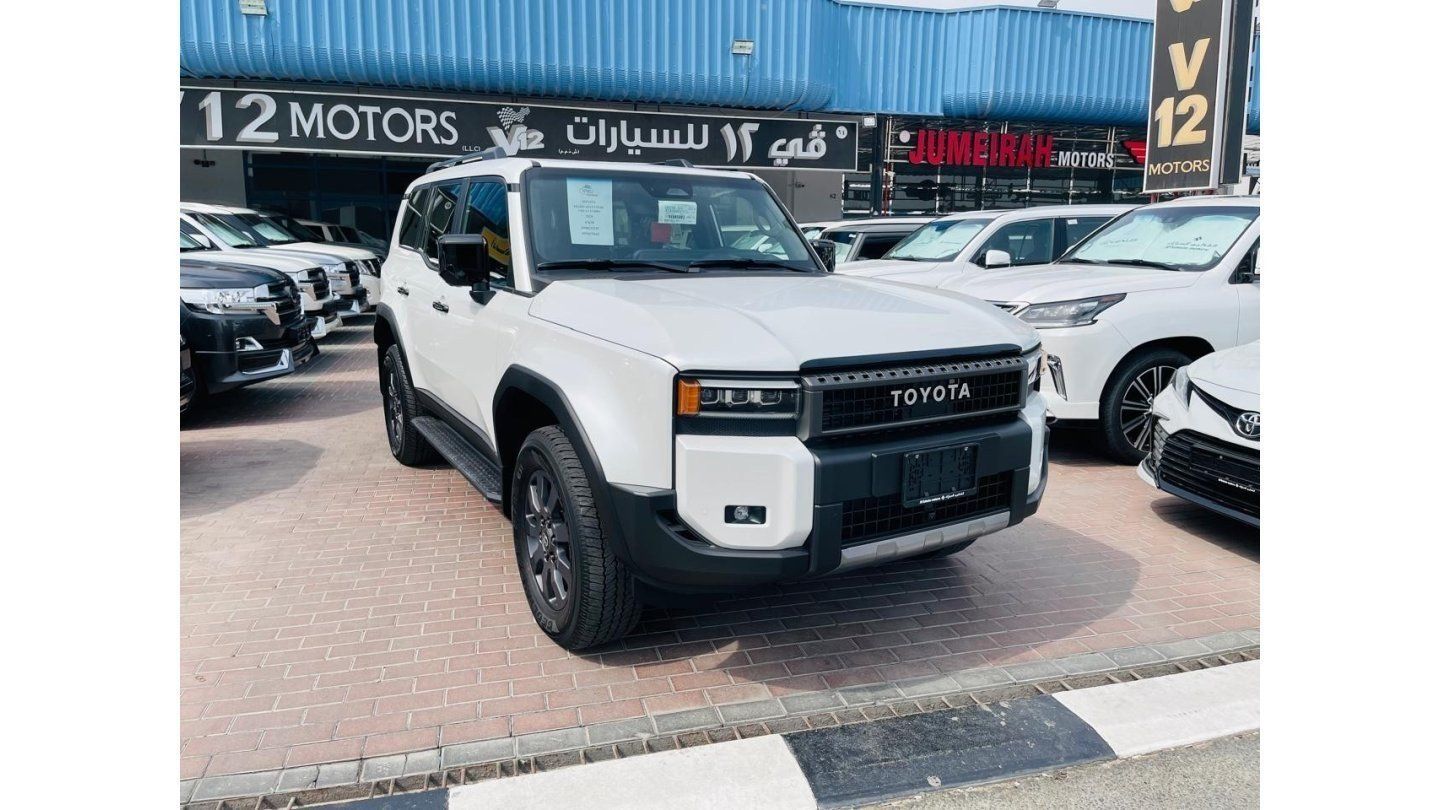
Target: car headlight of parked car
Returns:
[[1035, 363], [732, 398], [1056, 314], [370, 267], [1181, 383], [222, 301], [335, 270]]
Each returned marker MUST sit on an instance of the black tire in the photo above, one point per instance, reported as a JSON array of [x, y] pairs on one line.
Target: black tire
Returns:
[[400, 406], [1125, 404], [599, 602], [947, 551]]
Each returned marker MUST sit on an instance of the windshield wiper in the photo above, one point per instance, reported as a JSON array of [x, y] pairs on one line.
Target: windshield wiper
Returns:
[[609, 264], [769, 264], [1144, 263]]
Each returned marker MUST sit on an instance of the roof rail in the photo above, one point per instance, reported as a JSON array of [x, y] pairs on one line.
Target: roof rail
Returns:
[[493, 153], [681, 162]]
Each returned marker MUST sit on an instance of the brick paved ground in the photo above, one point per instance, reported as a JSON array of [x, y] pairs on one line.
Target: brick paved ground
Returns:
[[336, 605]]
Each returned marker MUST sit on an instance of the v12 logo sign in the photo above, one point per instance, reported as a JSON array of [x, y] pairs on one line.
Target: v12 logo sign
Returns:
[[1192, 41]]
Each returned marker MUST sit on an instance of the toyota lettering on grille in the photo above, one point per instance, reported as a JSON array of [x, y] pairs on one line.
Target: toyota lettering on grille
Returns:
[[942, 392]]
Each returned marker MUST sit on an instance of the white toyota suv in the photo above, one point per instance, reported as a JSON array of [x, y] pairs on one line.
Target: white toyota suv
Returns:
[[1122, 310], [962, 244], [202, 239], [661, 406], [1205, 434], [348, 268]]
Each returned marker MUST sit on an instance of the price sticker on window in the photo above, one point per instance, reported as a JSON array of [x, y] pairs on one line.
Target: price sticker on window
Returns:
[[677, 212]]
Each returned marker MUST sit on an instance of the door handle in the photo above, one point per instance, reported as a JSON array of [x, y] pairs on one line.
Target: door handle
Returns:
[[440, 305], [403, 290]]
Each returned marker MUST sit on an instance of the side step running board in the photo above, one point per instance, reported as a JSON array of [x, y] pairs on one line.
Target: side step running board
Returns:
[[481, 472]]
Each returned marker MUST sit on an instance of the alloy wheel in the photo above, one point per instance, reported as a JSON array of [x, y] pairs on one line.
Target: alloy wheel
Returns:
[[1137, 402], [547, 541], [394, 413]]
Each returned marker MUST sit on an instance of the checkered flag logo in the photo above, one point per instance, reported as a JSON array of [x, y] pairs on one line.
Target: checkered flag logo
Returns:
[[509, 116]]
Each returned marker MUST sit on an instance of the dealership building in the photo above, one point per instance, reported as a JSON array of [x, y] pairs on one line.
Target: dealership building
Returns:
[[328, 109]]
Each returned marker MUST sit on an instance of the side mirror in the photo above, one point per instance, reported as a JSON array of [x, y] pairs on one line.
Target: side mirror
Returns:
[[996, 258], [465, 262], [826, 249], [1246, 272]]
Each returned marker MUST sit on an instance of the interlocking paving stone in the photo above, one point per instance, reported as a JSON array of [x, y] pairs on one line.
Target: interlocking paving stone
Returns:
[[756, 710], [244, 784], [336, 604], [686, 720], [337, 773], [1033, 671], [298, 778], [621, 730], [545, 742], [868, 693], [1085, 664], [1134, 656]]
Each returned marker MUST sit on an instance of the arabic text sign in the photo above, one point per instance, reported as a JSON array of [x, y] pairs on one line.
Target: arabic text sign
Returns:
[[331, 122], [1187, 110]]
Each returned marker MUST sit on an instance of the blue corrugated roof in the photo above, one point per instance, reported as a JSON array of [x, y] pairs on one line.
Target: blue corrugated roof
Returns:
[[815, 55]]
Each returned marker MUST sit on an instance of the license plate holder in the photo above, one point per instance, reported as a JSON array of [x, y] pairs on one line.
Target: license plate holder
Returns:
[[931, 477]]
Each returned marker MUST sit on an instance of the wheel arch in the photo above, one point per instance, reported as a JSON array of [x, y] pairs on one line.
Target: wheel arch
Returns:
[[1192, 347], [526, 400], [386, 333]]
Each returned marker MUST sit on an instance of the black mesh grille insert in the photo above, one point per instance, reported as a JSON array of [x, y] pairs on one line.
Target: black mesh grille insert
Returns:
[[859, 400], [865, 519], [1223, 473]]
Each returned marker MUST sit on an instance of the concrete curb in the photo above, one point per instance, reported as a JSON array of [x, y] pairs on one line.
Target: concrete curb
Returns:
[[478, 761]]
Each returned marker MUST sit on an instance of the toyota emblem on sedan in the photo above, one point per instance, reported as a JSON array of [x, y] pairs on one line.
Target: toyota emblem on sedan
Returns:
[[1248, 425]]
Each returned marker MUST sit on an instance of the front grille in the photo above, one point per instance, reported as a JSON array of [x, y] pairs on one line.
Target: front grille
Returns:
[[321, 283], [352, 271], [863, 520], [285, 296], [1219, 472], [851, 401]]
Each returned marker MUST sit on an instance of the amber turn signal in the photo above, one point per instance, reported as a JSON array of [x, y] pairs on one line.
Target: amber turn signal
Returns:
[[687, 398]]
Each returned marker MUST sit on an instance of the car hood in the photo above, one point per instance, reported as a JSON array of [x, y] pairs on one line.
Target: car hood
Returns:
[[203, 274], [773, 322], [346, 252], [254, 257], [925, 274], [1067, 282], [1233, 375]]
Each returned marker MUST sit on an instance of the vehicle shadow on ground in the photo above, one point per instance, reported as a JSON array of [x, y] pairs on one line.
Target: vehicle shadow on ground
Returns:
[[218, 474], [1218, 530], [1029, 592], [285, 401]]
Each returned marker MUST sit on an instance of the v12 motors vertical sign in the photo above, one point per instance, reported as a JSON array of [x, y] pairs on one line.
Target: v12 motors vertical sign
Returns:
[[1190, 71]]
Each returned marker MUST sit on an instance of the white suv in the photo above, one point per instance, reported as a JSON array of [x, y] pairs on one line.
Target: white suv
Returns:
[[348, 268], [1121, 311], [651, 370], [962, 244]]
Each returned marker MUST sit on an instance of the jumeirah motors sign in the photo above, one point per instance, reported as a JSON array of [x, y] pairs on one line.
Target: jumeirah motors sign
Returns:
[[1033, 150], [1190, 73], [305, 121]]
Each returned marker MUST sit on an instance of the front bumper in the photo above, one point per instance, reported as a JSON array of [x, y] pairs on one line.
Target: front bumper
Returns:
[[373, 288], [1191, 483], [269, 351], [327, 318], [1081, 361], [187, 380], [817, 505], [355, 302]]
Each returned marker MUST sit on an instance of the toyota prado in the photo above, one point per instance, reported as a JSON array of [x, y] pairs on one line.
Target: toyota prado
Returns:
[[654, 374]]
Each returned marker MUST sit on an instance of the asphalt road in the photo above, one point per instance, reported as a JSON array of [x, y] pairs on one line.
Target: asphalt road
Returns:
[[1221, 773]]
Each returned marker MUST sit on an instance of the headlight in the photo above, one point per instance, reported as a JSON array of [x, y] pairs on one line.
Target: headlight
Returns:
[[370, 267], [334, 269], [1181, 383], [779, 399], [1056, 314], [221, 301]]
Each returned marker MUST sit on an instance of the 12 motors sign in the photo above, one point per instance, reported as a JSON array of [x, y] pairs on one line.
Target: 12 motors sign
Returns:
[[303, 121], [1187, 95]]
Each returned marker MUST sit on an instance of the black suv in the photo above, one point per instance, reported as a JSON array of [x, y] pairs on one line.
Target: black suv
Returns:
[[242, 324]]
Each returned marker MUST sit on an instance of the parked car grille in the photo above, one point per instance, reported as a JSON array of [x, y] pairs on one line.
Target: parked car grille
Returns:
[[863, 520], [869, 399], [352, 271], [316, 277], [1217, 471]]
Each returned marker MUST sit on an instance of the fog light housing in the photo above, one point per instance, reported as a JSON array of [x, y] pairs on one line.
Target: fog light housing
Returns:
[[247, 344], [748, 515]]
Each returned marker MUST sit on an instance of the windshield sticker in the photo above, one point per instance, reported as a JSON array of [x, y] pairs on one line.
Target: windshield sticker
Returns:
[[677, 212], [592, 211]]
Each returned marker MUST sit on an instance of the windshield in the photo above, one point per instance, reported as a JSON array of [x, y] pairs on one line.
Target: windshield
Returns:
[[296, 228], [1188, 238], [605, 221], [939, 241], [188, 243], [844, 244], [235, 237], [270, 230]]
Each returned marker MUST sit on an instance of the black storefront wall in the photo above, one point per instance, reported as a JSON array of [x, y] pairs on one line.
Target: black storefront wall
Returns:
[[936, 166], [346, 155]]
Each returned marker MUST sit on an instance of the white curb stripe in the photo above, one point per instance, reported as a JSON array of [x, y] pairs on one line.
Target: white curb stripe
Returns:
[[754, 772], [1138, 717]]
